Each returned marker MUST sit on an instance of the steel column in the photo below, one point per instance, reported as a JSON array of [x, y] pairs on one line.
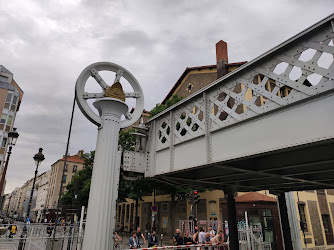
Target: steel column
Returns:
[[283, 210], [232, 221]]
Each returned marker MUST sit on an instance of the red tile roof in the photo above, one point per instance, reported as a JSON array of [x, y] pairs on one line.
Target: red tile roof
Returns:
[[73, 158], [254, 197], [194, 68]]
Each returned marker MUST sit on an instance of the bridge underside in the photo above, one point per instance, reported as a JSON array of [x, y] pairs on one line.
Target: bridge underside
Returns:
[[306, 167]]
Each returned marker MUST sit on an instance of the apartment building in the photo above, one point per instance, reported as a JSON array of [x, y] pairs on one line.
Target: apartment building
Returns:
[[42, 184], [74, 164], [10, 99]]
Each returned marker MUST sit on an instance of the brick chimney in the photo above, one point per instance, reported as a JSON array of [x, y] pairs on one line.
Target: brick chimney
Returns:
[[80, 153], [222, 58]]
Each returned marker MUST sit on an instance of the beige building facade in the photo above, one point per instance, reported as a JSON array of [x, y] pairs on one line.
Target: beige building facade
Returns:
[[10, 99], [73, 165]]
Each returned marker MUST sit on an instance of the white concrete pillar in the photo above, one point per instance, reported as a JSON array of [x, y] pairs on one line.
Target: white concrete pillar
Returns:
[[101, 214]]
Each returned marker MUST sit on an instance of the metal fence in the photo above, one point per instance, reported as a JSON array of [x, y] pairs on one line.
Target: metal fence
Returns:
[[39, 236], [212, 246], [251, 237]]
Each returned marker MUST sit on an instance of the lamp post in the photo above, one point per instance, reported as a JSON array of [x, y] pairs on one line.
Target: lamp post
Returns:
[[39, 157], [12, 138]]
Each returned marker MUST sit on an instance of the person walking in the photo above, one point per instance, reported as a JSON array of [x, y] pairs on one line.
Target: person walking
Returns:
[[140, 234], [117, 239], [134, 241], [153, 240]]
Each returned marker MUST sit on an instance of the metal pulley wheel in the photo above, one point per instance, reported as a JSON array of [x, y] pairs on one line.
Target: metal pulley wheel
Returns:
[[93, 70]]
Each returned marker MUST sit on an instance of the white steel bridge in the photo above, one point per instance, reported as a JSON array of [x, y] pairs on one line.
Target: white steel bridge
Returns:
[[267, 125]]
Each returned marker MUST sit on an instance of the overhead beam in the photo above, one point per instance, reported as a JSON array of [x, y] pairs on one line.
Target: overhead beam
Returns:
[[261, 173]]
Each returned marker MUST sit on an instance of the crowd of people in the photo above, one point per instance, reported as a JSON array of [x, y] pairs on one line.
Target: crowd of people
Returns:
[[200, 236], [136, 236]]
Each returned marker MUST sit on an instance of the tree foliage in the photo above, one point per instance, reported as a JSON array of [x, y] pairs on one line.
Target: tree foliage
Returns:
[[80, 184], [161, 107], [126, 140]]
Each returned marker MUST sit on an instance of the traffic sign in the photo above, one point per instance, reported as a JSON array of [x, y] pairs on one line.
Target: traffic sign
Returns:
[[155, 208]]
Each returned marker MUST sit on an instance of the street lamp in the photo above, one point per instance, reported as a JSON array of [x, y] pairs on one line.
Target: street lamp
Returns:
[[12, 138], [39, 157]]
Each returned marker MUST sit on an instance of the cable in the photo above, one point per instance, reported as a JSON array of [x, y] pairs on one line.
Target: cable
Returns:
[[62, 177]]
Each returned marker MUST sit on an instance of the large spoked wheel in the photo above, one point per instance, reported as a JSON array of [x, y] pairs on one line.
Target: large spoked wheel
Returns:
[[93, 70]]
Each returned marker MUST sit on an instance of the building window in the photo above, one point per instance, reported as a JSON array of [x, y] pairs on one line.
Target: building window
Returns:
[[14, 104], [119, 213], [302, 216], [64, 179], [4, 141], [326, 223], [75, 168], [164, 207], [65, 167], [13, 108], [15, 100], [190, 87], [127, 212], [3, 118], [9, 98], [9, 121]]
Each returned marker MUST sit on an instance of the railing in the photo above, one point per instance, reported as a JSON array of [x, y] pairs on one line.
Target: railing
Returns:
[[250, 237], [212, 246], [39, 236]]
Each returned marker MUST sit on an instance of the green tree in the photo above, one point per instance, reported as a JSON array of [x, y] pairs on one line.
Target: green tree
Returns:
[[161, 107], [126, 140], [80, 184]]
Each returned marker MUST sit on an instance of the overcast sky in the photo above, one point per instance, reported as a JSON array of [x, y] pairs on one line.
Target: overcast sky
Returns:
[[46, 45]]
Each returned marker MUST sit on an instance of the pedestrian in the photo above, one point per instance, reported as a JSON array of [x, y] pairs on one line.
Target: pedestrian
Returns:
[[140, 234], [153, 240], [117, 239], [212, 232], [207, 239], [195, 237], [176, 236], [180, 240], [215, 224], [219, 238], [49, 229], [201, 236], [12, 230], [134, 241], [187, 239]]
